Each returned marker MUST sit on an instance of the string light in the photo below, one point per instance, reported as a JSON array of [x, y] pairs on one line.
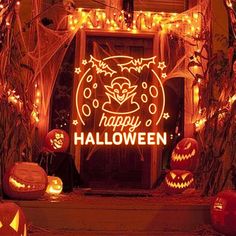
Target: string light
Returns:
[[143, 21]]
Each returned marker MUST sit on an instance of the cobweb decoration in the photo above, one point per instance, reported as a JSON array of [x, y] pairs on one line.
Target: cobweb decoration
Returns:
[[46, 55]]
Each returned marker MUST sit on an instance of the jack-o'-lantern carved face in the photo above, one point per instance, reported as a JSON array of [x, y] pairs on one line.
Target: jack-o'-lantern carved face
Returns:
[[12, 220], [25, 180], [185, 155], [177, 181], [57, 140], [55, 185], [223, 212]]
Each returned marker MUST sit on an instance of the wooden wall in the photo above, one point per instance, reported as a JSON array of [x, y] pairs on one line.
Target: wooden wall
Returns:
[[150, 5]]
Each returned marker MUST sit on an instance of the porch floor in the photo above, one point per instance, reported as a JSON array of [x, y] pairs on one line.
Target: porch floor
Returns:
[[105, 212]]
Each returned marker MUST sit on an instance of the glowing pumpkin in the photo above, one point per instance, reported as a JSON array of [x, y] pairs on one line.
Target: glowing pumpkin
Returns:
[[57, 140], [185, 155], [223, 212], [25, 180], [12, 220], [177, 181], [55, 185]]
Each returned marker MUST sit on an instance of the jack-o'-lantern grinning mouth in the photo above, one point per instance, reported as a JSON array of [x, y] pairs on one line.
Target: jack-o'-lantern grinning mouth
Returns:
[[179, 185], [181, 157], [16, 184]]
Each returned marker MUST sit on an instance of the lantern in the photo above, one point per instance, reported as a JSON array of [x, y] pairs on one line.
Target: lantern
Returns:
[[55, 185], [12, 220], [25, 180], [223, 212], [57, 140], [185, 155], [177, 181]]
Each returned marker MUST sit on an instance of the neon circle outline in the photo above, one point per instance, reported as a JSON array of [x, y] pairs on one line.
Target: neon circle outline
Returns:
[[144, 85], [89, 95], [147, 123], [89, 109], [89, 78], [142, 98], [97, 102], [163, 94], [151, 93], [155, 108]]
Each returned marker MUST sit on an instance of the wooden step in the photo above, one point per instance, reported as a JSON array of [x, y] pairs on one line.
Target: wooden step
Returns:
[[117, 214]]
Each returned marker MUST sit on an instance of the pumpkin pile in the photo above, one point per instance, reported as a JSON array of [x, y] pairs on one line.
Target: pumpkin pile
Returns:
[[29, 181], [184, 160]]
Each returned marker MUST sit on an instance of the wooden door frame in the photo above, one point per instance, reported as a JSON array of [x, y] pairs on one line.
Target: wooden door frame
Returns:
[[154, 163]]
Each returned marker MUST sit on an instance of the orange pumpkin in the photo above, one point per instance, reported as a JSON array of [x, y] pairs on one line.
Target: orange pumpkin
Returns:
[[185, 155], [57, 140], [25, 180], [177, 181], [55, 185], [223, 212], [12, 220]]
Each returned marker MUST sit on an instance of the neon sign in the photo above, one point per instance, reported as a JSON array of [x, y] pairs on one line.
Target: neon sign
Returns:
[[120, 100]]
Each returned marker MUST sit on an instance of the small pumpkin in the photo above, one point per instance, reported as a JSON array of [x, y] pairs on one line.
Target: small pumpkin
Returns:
[[55, 185], [185, 155], [177, 181], [57, 140], [223, 212], [12, 220], [25, 180]]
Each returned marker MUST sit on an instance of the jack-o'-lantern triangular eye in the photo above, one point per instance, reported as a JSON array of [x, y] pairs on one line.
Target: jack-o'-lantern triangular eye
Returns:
[[184, 176], [15, 222], [173, 175], [188, 146], [1, 225]]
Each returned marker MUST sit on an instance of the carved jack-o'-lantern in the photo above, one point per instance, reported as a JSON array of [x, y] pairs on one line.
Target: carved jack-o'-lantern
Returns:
[[25, 180], [12, 220], [55, 185], [57, 140], [185, 155], [177, 181], [223, 212]]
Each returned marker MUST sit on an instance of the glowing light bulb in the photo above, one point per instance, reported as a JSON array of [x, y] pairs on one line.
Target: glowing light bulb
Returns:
[[195, 16]]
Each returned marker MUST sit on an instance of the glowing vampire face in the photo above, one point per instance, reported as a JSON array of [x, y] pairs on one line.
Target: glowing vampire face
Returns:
[[185, 155], [178, 181], [121, 89], [12, 220]]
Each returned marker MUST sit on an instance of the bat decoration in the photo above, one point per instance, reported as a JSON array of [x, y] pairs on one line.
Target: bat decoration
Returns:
[[101, 66], [137, 64]]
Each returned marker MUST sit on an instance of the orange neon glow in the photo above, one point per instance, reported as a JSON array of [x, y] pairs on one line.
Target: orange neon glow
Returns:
[[118, 138], [121, 91], [138, 64], [101, 66], [117, 100]]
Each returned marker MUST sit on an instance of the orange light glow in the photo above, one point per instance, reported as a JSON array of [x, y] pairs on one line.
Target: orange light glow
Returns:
[[118, 138], [118, 106]]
